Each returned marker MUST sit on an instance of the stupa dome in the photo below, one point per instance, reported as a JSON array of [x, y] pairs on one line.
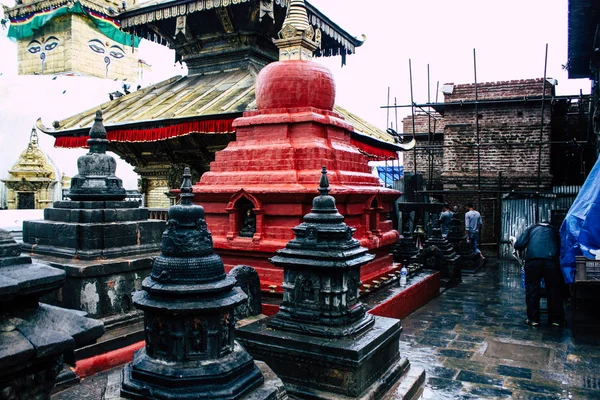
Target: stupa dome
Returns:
[[295, 84], [295, 81]]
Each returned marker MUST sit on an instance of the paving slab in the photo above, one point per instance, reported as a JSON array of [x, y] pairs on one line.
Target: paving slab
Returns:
[[474, 344]]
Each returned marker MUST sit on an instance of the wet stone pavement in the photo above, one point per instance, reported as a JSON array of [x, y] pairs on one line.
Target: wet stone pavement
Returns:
[[474, 344]]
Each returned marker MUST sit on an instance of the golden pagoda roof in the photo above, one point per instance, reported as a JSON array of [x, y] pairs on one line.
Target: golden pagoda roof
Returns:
[[32, 165], [183, 98]]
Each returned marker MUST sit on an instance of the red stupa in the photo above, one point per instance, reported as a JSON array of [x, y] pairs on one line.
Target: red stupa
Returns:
[[261, 185]]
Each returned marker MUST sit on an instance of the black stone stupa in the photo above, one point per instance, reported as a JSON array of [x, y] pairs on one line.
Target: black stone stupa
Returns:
[[102, 242], [405, 249], [188, 303], [467, 261], [438, 254], [34, 337], [322, 343]]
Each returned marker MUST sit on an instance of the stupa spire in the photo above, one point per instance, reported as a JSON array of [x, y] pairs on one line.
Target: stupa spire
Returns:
[[297, 38], [96, 180], [297, 16]]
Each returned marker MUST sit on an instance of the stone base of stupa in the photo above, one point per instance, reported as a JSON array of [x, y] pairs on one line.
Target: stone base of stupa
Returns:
[[271, 389], [362, 366], [101, 288]]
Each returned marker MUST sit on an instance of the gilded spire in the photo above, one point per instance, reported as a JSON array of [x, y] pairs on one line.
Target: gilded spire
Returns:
[[297, 16], [297, 38]]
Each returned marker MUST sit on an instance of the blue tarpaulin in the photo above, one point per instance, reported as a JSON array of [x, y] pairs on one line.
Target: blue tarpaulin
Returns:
[[580, 231], [390, 174]]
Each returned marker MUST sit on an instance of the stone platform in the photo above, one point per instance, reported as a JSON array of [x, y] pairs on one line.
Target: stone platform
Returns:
[[104, 247], [111, 229], [332, 364]]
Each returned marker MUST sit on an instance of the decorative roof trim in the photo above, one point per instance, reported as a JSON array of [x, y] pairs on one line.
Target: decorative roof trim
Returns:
[[44, 5], [156, 12], [145, 13]]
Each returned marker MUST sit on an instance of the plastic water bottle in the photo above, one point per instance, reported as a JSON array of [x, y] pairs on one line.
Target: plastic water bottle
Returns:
[[403, 274]]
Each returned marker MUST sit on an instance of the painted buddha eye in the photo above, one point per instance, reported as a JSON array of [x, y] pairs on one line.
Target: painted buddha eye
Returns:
[[34, 47], [96, 46], [116, 52], [51, 43]]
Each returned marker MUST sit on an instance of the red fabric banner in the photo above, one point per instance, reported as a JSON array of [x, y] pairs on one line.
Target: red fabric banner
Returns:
[[220, 126], [375, 152]]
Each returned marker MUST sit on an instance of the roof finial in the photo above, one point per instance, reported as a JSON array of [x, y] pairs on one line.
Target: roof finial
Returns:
[[324, 183], [33, 138], [297, 16], [186, 187], [297, 38]]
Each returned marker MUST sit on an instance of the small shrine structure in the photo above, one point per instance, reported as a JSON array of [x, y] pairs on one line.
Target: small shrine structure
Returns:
[[260, 186], [31, 183], [322, 343], [188, 303], [35, 338], [103, 243]]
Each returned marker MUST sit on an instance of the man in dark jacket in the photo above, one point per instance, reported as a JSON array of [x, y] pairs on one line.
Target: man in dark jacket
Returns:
[[542, 244]]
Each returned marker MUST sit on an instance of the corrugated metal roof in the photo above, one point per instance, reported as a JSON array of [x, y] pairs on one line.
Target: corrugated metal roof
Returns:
[[218, 95]]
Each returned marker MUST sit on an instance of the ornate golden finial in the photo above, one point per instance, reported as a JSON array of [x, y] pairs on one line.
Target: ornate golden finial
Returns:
[[296, 15], [33, 138], [297, 38]]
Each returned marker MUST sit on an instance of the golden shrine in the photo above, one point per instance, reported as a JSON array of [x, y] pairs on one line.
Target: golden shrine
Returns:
[[31, 182]]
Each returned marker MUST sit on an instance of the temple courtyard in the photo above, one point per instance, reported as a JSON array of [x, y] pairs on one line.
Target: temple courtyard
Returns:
[[473, 344]]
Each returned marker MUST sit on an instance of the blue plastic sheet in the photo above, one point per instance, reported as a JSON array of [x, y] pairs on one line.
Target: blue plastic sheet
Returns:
[[390, 174], [580, 231]]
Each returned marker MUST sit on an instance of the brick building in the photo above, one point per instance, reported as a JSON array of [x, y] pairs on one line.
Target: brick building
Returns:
[[506, 149]]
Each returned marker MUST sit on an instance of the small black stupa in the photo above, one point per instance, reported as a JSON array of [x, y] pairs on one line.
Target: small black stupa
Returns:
[[102, 242], [468, 261], [322, 343], [34, 337], [188, 303], [96, 179]]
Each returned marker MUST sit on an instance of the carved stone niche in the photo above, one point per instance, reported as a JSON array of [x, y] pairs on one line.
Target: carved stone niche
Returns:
[[246, 217]]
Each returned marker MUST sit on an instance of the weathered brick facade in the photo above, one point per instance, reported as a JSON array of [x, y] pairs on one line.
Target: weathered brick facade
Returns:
[[509, 117], [508, 135], [425, 123]]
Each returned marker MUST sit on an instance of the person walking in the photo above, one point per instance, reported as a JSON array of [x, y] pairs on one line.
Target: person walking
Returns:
[[445, 219], [472, 228], [541, 243]]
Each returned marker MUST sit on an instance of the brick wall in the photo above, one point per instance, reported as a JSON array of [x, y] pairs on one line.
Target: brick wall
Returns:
[[423, 125], [508, 134], [498, 90]]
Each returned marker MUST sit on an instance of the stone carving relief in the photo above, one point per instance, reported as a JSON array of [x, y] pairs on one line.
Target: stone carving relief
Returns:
[[307, 289], [227, 324], [195, 331]]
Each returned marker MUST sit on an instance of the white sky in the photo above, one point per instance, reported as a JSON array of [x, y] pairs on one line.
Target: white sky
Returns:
[[509, 36]]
